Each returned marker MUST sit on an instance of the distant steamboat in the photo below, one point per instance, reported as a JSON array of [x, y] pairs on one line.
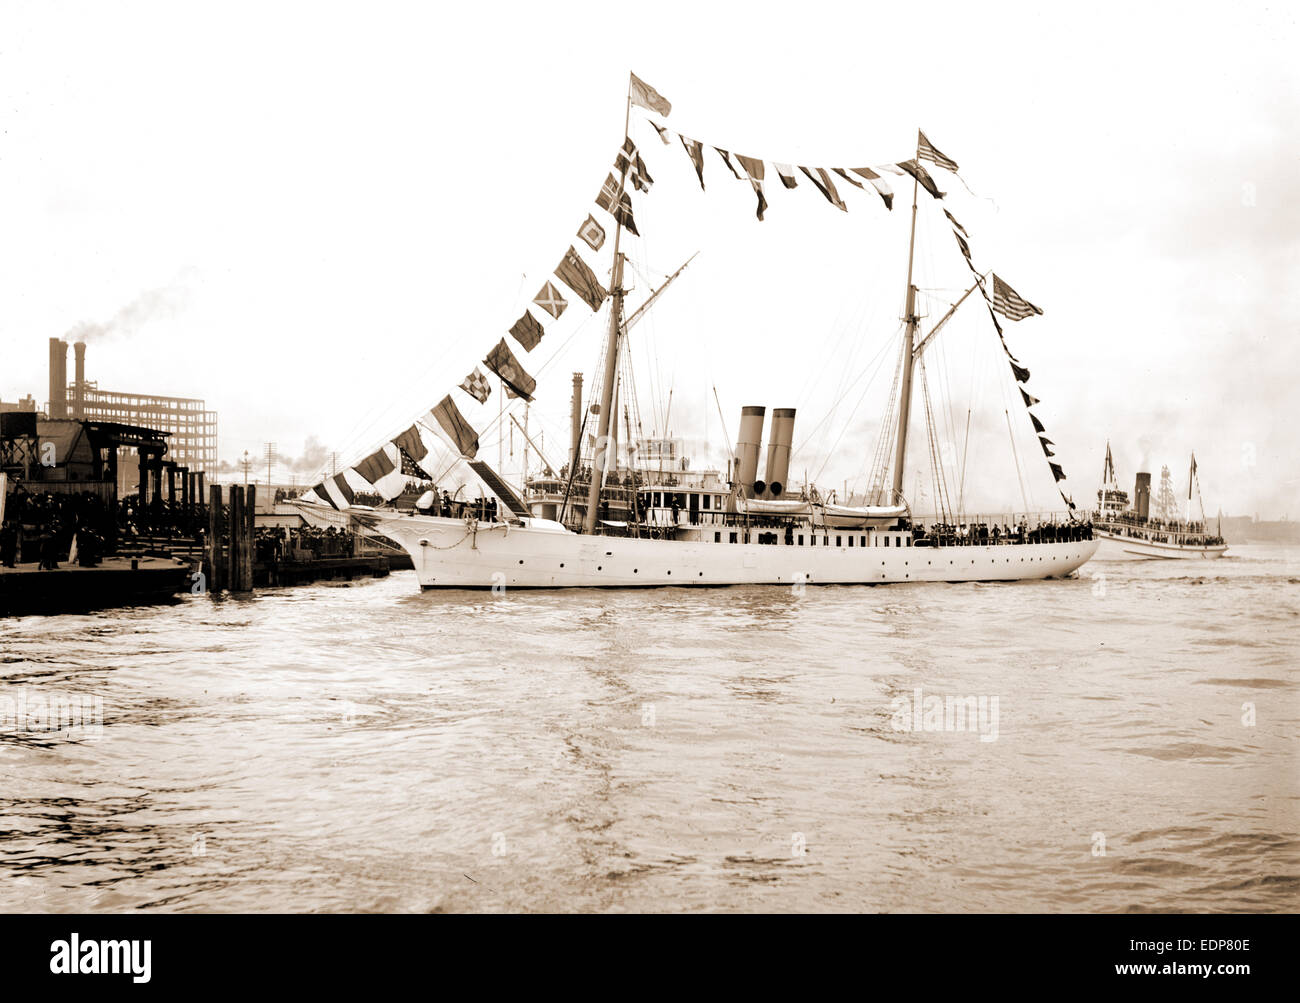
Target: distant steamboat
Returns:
[[1133, 531]]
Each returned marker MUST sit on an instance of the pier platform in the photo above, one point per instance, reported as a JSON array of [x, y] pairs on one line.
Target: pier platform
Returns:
[[26, 589]]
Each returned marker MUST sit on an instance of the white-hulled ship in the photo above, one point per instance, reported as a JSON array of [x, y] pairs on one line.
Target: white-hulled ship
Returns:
[[599, 523], [1136, 531]]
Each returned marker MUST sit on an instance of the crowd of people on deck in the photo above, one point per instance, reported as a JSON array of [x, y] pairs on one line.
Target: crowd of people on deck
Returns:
[[280, 543], [1190, 534], [981, 534], [482, 509]]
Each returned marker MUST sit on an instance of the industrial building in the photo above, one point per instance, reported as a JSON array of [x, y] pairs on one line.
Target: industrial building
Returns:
[[191, 428]]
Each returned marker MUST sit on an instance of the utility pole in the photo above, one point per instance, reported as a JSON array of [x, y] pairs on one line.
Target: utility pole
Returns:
[[271, 457], [247, 462]]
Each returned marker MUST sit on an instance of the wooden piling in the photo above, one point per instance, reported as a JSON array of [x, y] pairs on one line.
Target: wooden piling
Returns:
[[212, 557], [235, 519], [250, 536]]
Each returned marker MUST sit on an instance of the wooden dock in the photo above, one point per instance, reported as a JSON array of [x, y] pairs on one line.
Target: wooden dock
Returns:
[[116, 581]]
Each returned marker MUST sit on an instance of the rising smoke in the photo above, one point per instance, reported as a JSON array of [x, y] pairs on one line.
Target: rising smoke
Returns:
[[162, 303]]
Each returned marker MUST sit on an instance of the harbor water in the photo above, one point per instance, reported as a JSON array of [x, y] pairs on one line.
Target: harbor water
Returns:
[[1132, 743]]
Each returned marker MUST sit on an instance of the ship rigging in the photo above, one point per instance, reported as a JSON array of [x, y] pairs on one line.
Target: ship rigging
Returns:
[[611, 516]]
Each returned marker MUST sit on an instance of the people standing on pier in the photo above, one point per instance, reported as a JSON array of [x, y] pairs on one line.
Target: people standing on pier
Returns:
[[8, 543]]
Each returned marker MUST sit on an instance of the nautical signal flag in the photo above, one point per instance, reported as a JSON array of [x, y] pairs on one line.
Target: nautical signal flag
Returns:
[[592, 233], [611, 196], [726, 159], [575, 274], [695, 150], [502, 361], [878, 183], [410, 442], [641, 93], [628, 162], [550, 300], [477, 386], [922, 176], [826, 186], [376, 466], [925, 150], [527, 330], [1010, 303], [336, 491], [460, 431], [382, 470], [786, 173], [755, 170]]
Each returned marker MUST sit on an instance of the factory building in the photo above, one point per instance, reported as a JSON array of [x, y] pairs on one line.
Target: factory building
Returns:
[[191, 428]]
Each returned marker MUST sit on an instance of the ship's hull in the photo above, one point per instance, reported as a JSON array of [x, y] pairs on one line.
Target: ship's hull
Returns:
[[447, 553], [1126, 548]]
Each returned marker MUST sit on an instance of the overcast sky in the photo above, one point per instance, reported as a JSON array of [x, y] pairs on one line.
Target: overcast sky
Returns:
[[318, 217]]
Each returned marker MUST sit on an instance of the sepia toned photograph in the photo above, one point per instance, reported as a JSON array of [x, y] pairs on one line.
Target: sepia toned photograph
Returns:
[[673, 459]]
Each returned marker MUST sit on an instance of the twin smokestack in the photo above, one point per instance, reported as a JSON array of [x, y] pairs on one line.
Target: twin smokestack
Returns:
[[59, 379], [750, 442]]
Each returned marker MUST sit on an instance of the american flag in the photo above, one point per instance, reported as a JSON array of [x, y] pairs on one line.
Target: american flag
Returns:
[[412, 469], [477, 386], [926, 151], [1010, 303]]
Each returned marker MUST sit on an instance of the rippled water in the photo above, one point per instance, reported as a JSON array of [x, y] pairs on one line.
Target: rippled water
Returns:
[[372, 747]]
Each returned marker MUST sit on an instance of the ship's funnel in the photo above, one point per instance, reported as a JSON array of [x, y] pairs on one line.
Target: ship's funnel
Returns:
[[1142, 495], [575, 418], [749, 442], [58, 378], [778, 450]]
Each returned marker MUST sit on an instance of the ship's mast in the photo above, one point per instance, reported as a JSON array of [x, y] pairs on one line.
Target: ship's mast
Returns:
[[600, 456], [909, 342]]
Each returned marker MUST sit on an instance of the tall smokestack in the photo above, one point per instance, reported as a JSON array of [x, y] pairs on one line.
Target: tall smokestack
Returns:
[[748, 444], [778, 450], [1142, 495], [575, 418], [79, 382], [58, 378]]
